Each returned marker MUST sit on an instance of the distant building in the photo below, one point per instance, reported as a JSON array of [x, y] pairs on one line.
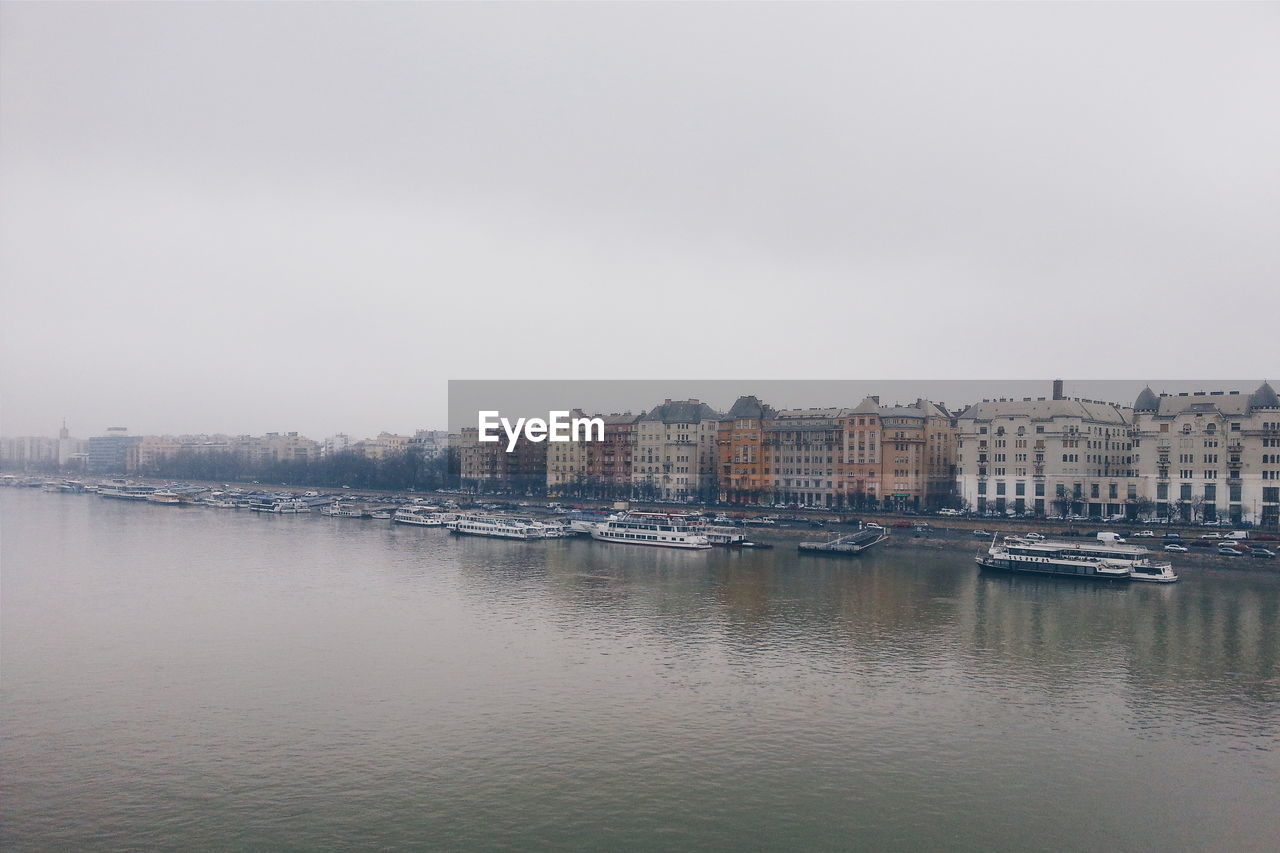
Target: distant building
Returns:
[[430, 443], [675, 455], [1209, 455], [1049, 456], [28, 450], [741, 455], [109, 454]]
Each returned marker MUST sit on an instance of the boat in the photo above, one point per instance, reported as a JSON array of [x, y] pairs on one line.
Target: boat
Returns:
[[381, 514], [660, 529], [721, 535], [422, 516], [276, 505], [848, 544], [345, 509], [583, 522], [763, 546], [497, 526], [1090, 560], [124, 490], [164, 496]]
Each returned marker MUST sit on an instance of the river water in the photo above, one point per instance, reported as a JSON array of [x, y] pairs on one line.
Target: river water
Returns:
[[190, 678]]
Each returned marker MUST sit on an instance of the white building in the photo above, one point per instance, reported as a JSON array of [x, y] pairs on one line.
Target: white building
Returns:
[[1210, 455], [1046, 456]]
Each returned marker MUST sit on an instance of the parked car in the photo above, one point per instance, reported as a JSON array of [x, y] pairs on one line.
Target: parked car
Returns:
[[1262, 552], [1033, 536], [1176, 548]]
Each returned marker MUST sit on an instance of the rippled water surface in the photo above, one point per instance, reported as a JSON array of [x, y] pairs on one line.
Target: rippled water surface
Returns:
[[193, 678]]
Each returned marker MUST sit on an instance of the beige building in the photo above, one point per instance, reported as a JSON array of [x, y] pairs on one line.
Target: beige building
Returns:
[[1209, 455], [1046, 456], [675, 452]]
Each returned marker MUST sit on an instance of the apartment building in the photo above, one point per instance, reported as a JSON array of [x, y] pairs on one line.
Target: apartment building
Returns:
[[675, 455], [1045, 456], [1209, 455]]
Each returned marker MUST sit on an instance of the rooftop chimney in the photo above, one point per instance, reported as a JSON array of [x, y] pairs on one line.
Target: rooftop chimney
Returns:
[[1057, 389]]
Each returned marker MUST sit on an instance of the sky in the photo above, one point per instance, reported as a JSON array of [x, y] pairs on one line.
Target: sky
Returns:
[[243, 217]]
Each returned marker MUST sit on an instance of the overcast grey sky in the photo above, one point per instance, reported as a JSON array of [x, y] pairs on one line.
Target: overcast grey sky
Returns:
[[244, 217]]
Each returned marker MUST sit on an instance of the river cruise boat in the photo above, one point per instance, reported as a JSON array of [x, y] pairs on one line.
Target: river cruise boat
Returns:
[[164, 496], [1089, 560], [346, 509], [282, 507], [652, 528], [422, 516], [497, 526], [124, 490]]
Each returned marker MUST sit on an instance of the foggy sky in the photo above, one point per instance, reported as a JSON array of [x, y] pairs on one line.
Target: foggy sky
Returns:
[[250, 217]]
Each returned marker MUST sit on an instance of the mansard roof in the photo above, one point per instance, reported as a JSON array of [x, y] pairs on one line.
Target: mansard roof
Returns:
[[749, 408], [682, 412], [1043, 409], [1204, 402]]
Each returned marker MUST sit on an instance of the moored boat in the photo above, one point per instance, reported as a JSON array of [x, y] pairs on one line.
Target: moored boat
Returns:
[[497, 526], [659, 529], [125, 490], [1107, 560], [422, 516]]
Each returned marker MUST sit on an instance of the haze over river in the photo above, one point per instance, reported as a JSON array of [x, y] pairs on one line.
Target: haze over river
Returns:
[[192, 678]]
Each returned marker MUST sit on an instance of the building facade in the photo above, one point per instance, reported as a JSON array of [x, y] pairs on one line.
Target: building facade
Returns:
[[1210, 455], [1046, 456], [675, 455]]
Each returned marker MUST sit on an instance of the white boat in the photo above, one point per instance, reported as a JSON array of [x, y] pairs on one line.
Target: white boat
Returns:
[[422, 516], [125, 490], [725, 536], [499, 526], [346, 509], [652, 528], [283, 507], [1090, 560], [164, 496]]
